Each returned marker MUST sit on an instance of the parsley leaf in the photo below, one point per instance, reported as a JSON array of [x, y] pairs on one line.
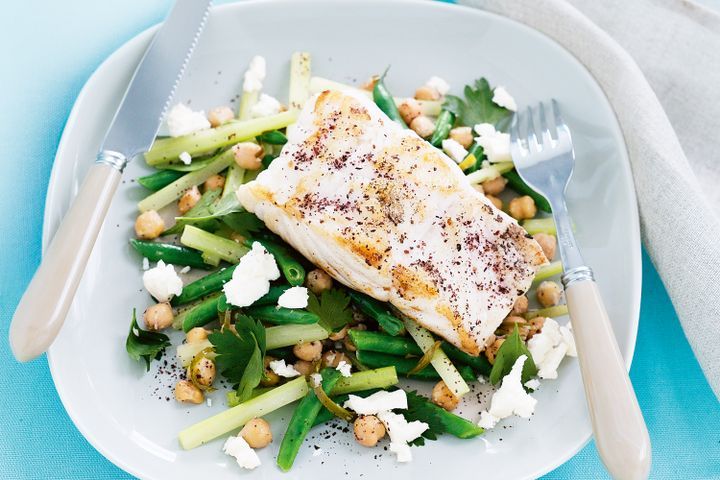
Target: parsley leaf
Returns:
[[333, 308], [478, 106], [144, 344], [439, 420], [512, 348], [240, 354], [244, 223]]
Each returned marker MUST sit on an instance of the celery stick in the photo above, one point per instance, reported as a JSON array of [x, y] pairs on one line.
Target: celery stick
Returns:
[[204, 141], [236, 417], [490, 172], [299, 80], [430, 108], [233, 180], [547, 271], [550, 312], [365, 380], [172, 192], [440, 361], [247, 101], [214, 245], [540, 225], [288, 335], [186, 351]]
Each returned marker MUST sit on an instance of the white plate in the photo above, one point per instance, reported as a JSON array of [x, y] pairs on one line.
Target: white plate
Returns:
[[111, 399]]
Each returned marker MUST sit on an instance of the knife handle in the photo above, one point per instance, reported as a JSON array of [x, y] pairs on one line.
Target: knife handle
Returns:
[[42, 309]]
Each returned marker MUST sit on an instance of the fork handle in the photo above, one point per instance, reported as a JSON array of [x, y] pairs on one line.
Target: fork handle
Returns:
[[621, 436]]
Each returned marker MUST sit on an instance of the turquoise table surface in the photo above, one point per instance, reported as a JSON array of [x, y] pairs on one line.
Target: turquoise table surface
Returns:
[[48, 49]]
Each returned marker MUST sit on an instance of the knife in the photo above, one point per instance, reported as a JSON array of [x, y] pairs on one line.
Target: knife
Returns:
[[44, 306]]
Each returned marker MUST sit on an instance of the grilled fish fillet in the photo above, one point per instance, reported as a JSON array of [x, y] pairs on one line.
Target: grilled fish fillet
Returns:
[[385, 213]]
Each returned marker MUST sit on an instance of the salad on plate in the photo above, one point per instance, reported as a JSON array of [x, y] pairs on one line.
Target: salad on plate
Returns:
[[345, 251]]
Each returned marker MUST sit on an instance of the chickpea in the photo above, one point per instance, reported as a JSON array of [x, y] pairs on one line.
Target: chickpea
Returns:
[[318, 281], [547, 243], [158, 316], [219, 115], [203, 372], [189, 199], [337, 336], [332, 359], [238, 238], [548, 294], [495, 201], [369, 84], [427, 93], [270, 378], [308, 351], [509, 323], [248, 155], [479, 188], [257, 433], [214, 182], [149, 225], [535, 325], [347, 342], [369, 430], [522, 207], [423, 126], [409, 110], [521, 305], [304, 367], [197, 334], [494, 186], [491, 351], [186, 392], [443, 397], [462, 135]]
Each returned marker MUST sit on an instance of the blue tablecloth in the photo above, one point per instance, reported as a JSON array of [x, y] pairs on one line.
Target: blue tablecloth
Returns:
[[48, 50]]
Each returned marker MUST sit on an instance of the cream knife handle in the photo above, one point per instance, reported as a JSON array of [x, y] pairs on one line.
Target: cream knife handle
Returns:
[[46, 301], [620, 433]]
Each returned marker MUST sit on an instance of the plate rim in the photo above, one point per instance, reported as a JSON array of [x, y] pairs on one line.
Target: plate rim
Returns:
[[51, 213]]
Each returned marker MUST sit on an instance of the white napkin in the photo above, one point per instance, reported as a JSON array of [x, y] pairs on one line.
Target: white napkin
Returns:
[[658, 62]]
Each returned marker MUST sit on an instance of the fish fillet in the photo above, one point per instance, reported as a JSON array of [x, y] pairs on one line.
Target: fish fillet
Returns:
[[387, 214]]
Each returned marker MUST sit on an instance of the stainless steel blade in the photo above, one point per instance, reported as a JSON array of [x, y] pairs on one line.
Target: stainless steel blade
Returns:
[[153, 84]]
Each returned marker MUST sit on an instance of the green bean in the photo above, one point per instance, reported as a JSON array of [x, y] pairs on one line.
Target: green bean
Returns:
[[405, 365], [282, 316], [203, 286], [292, 270], [422, 409], [477, 152], [160, 179], [199, 315], [380, 342], [479, 364], [302, 421], [273, 137], [379, 311], [384, 100], [272, 296], [169, 253], [443, 125], [519, 185]]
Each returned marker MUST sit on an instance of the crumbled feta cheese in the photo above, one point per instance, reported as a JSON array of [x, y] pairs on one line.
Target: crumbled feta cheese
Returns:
[[317, 452], [381, 401], [401, 432], [316, 379], [496, 145], [185, 269], [145, 264], [344, 368], [255, 74], [511, 398], [182, 120], [265, 106], [532, 384], [454, 150], [209, 402], [245, 456], [502, 98], [287, 371], [550, 346], [294, 297], [438, 84], [162, 282], [251, 278], [185, 158]]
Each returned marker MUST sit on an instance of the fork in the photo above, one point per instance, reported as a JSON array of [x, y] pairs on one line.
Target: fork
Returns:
[[545, 161]]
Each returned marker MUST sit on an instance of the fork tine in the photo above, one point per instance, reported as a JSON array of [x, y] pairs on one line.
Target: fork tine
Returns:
[[532, 140], [516, 148], [560, 126], [544, 130]]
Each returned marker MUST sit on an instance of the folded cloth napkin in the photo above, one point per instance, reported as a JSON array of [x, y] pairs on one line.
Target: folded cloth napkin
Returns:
[[658, 62]]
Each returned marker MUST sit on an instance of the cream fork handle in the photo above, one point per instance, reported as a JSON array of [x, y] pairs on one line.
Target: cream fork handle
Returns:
[[46, 301], [621, 437]]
